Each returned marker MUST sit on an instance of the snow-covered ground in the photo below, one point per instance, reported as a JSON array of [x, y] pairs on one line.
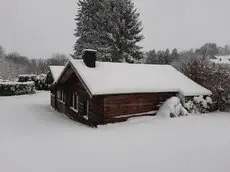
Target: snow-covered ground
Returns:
[[35, 138]]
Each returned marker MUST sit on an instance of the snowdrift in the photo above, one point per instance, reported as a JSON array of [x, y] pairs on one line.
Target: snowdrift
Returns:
[[172, 108]]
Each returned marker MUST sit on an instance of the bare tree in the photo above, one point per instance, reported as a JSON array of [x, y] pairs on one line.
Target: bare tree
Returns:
[[58, 59]]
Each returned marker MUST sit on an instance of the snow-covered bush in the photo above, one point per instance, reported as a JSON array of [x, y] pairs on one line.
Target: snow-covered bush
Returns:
[[3, 80], [26, 78], [215, 77], [172, 108], [39, 80], [198, 104], [16, 88]]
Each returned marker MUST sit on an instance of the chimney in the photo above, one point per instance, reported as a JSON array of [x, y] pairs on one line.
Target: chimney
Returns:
[[90, 57]]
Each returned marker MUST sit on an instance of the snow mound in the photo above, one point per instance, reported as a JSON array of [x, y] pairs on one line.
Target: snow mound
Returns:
[[172, 108]]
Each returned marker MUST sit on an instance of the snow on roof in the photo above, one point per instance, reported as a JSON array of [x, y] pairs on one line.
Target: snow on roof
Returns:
[[56, 71], [16, 83], [221, 59], [90, 50], [27, 75], [124, 78]]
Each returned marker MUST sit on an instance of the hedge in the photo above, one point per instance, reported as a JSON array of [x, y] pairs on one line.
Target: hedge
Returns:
[[16, 88], [26, 78], [39, 80]]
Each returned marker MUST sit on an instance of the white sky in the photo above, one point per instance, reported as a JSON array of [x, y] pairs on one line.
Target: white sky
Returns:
[[40, 28]]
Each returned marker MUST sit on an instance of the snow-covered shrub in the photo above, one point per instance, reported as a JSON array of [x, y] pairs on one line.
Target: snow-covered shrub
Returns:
[[190, 106], [172, 108], [39, 80], [16, 88], [3, 80], [26, 78], [215, 77], [198, 104]]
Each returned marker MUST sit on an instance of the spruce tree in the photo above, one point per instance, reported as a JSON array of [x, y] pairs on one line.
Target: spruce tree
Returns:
[[86, 31], [167, 57], [112, 27], [2, 53], [151, 57], [174, 54]]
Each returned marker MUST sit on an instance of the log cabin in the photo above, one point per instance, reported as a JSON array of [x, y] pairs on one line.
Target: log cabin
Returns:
[[96, 93]]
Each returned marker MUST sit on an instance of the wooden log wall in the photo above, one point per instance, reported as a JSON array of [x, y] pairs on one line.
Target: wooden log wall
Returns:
[[120, 105], [96, 110]]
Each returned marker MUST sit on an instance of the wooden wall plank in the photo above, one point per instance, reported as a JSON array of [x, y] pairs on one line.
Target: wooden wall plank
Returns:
[[116, 105]]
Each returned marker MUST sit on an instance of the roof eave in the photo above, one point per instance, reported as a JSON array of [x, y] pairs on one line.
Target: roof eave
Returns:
[[80, 78]]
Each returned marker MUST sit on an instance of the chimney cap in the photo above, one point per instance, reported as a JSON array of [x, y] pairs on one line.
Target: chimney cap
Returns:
[[89, 50]]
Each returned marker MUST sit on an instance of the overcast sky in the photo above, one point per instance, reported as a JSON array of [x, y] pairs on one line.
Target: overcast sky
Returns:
[[40, 28]]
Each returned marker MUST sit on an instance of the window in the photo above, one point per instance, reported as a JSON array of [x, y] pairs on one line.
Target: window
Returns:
[[61, 95], [52, 93], [74, 101], [87, 106]]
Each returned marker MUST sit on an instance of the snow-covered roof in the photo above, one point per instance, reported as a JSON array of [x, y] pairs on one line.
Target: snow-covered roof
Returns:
[[56, 71], [27, 75], [16, 83], [124, 78], [221, 59]]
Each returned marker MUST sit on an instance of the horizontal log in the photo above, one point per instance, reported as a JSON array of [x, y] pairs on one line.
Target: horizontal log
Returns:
[[137, 103]]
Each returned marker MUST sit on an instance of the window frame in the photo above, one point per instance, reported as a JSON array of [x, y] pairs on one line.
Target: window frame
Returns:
[[74, 102], [62, 96], [86, 116], [59, 93], [87, 108]]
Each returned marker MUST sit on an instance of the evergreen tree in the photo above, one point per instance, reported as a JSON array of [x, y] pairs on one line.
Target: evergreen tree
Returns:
[[151, 57], [174, 55], [167, 57], [87, 31], [2, 53], [111, 27], [160, 56], [227, 50]]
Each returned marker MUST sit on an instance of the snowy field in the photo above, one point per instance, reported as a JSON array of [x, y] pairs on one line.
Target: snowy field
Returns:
[[35, 138]]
